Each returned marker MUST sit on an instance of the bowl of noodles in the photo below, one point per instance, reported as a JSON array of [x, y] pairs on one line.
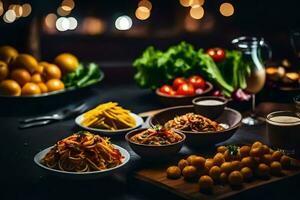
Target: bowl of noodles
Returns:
[[157, 142], [82, 156], [200, 131]]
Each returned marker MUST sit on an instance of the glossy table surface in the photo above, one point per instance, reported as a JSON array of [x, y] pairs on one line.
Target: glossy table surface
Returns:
[[22, 179]]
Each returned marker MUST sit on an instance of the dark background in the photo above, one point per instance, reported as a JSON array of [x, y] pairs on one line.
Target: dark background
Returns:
[[270, 19]]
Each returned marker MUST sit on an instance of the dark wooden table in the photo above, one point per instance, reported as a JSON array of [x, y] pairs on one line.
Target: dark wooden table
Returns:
[[22, 179]]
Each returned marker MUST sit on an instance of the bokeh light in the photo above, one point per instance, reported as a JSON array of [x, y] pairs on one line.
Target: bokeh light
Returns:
[[26, 8], [61, 12], [197, 12], [68, 3], [197, 3], [226, 9], [1, 8], [9, 16], [18, 10], [142, 13], [145, 3], [50, 20], [62, 24], [73, 23], [186, 3], [123, 23], [92, 26]]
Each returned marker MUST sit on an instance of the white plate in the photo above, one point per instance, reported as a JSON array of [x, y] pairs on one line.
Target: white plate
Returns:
[[138, 122], [81, 175]]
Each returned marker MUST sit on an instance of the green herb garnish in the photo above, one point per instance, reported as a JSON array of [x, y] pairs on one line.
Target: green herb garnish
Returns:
[[233, 149]]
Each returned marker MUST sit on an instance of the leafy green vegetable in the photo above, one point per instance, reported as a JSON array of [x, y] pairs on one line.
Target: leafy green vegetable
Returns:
[[83, 76], [234, 70], [155, 68]]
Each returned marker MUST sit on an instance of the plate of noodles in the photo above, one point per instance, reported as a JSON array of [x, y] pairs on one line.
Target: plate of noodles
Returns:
[[109, 119], [82, 155]]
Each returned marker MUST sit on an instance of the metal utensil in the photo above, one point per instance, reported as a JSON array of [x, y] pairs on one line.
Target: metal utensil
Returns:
[[47, 119]]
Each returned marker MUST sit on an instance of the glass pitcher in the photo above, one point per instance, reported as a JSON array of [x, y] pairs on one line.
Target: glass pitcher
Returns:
[[251, 50]]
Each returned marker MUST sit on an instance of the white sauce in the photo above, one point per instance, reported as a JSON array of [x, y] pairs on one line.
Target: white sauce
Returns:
[[284, 121], [209, 102]]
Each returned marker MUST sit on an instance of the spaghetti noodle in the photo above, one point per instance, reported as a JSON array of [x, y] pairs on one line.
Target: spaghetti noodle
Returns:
[[83, 152], [193, 122]]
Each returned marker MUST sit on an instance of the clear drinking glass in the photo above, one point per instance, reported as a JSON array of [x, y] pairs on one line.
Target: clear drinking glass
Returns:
[[251, 49], [297, 103], [295, 42]]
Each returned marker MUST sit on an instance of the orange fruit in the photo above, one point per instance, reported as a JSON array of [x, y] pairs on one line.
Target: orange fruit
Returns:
[[51, 71], [28, 62], [10, 87], [54, 85], [30, 89], [8, 53], [66, 62], [3, 70], [43, 87], [22, 76], [37, 78]]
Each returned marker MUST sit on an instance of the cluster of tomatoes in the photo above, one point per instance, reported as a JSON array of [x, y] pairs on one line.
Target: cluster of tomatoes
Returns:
[[185, 87], [23, 75]]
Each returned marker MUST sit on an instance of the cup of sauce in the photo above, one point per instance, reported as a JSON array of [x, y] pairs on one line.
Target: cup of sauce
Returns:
[[283, 130], [210, 106]]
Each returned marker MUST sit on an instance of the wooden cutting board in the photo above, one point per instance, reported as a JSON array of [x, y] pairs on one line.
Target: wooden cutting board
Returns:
[[188, 190]]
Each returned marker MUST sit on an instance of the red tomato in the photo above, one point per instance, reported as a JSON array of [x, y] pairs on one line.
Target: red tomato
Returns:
[[167, 89], [197, 82], [217, 54], [177, 82], [186, 89]]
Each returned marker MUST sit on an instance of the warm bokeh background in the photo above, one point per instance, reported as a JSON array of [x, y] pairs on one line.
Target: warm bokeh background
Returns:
[[97, 39]]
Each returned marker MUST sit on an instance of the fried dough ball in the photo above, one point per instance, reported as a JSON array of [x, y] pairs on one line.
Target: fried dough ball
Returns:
[[248, 162], [223, 178], [263, 170], [189, 172], [219, 159], [257, 144], [173, 172], [256, 151], [235, 178], [229, 157], [236, 165], [215, 173], [221, 149], [276, 168], [276, 155], [206, 183], [198, 162], [267, 159], [285, 161], [247, 173], [209, 163], [244, 151], [182, 164], [226, 167], [189, 159]]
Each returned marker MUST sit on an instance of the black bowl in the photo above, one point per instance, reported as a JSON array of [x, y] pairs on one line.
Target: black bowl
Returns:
[[230, 117], [154, 151], [210, 111]]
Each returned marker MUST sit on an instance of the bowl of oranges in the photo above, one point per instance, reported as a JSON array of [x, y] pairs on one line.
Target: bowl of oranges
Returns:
[[23, 75]]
